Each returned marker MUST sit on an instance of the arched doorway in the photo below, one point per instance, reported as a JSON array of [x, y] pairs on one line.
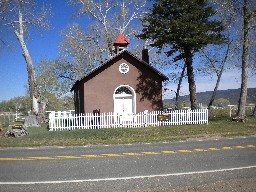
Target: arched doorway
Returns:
[[124, 100]]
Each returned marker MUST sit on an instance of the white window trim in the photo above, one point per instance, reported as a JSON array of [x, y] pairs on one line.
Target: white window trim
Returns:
[[121, 66]]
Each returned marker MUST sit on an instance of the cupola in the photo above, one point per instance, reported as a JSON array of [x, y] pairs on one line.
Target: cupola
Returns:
[[120, 43]]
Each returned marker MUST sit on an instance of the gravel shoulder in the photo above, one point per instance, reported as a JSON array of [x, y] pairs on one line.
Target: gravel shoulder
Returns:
[[238, 185]]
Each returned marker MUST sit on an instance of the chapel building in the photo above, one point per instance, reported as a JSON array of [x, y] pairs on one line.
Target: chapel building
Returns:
[[124, 84]]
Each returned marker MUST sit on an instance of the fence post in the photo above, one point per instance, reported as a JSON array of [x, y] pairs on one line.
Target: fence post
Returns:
[[146, 118], [207, 116], [51, 120], [16, 116]]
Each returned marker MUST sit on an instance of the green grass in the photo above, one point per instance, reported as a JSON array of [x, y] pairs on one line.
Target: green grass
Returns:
[[40, 136]]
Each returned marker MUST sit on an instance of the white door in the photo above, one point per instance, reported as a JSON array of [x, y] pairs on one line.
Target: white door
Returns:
[[127, 105], [124, 103], [123, 107]]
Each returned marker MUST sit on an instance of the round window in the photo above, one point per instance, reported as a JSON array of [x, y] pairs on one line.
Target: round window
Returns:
[[123, 68]]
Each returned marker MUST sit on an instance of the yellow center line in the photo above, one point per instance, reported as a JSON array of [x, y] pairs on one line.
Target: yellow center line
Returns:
[[214, 149], [226, 148], [239, 147], [184, 151], [13, 159], [41, 158], [200, 150], [132, 154], [151, 153], [126, 153], [91, 156], [68, 157], [168, 152], [112, 155]]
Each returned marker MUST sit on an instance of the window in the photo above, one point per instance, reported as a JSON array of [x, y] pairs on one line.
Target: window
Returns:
[[123, 68], [123, 90]]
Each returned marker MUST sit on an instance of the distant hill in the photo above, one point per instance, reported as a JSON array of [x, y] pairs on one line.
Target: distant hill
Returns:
[[231, 94]]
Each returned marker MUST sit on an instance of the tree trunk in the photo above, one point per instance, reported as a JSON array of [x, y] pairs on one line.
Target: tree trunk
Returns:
[[178, 87], [219, 75], [30, 121], [245, 55], [217, 84], [191, 79], [254, 110], [33, 87]]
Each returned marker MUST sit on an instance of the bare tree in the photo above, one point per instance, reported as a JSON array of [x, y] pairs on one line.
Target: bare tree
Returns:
[[216, 58], [244, 12], [111, 17], [81, 49], [248, 15], [182, 75], [215, 62], [5, 6], [253, 67], [19, 17], [85, 47], [176, 69]]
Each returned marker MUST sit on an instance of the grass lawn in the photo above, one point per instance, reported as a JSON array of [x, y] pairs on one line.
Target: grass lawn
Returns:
[[217, 127]]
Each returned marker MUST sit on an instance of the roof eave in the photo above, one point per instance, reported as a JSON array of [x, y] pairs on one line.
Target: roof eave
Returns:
[[164, 77]]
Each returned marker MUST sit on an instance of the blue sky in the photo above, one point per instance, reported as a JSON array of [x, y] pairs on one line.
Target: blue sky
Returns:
[[13, 72], [13, 78]]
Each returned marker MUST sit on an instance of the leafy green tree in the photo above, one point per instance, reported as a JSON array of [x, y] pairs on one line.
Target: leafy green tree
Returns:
[[47, 81], [58, 103], [20, 104], [185, 27], [51, 88], [221, 102]]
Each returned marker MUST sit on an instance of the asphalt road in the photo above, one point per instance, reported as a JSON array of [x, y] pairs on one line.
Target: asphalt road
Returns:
[[144, 167]]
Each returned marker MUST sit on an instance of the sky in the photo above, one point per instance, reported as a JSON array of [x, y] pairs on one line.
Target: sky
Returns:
[[13, 70]]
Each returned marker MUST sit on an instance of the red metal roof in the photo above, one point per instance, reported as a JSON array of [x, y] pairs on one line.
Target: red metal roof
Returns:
[[121, 40]]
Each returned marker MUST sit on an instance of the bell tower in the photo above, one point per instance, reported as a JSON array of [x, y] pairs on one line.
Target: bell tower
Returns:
[[120, 43]]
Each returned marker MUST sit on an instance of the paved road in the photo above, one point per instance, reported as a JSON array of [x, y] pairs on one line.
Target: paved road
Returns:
[[144, 167]]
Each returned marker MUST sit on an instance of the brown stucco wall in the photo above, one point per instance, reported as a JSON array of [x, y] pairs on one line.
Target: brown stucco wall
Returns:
[[99, 89]]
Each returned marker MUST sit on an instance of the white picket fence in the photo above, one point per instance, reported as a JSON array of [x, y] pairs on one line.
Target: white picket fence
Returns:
[[68, 121]]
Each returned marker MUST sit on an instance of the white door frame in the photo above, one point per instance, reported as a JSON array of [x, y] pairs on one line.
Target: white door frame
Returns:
[[126, 95]]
